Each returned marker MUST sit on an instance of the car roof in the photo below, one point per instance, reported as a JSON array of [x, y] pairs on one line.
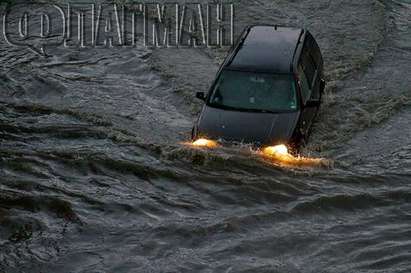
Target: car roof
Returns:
[[266, 48]]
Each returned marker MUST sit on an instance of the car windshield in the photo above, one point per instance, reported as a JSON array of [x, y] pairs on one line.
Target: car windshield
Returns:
[[250, 91]]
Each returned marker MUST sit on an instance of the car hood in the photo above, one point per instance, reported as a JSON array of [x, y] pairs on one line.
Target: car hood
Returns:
[[260, 128]]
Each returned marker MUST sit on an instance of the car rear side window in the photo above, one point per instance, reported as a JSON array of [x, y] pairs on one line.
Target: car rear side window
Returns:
[[305, 86], [309, 67]]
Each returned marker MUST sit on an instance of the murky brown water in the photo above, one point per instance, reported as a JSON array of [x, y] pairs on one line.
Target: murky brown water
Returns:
[[93, 177]]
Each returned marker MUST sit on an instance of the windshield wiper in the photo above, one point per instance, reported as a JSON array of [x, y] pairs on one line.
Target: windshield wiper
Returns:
[[267, 111], [226, 107], [221, 106]]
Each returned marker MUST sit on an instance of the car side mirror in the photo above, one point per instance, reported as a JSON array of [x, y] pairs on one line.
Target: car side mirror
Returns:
[[322, 86], [313, 103], [200, 95]]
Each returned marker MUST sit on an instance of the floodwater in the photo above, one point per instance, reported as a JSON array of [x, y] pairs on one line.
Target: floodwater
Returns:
[[93, 176]]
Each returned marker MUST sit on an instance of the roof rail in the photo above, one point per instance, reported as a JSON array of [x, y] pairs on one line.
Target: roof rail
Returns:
[[295, 49]]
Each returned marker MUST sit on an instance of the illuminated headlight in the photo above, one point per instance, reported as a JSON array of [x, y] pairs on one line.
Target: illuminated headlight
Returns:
[[278, 150], [202, 142]]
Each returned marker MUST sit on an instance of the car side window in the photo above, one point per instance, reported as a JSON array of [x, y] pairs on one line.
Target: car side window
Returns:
[[309, 67], [312, 65], [308, 60], [305, 86], [310, 70]]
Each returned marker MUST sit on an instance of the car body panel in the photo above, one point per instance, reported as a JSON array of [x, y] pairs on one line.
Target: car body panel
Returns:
[[249, 127]]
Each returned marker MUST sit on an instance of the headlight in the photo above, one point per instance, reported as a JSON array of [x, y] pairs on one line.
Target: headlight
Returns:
[[202, 142], [279, 150]]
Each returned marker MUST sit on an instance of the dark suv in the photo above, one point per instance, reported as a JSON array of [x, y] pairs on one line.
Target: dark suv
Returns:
[[267, 91]]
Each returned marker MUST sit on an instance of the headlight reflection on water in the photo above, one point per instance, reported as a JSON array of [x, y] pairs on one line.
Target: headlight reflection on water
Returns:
[[277, 154]]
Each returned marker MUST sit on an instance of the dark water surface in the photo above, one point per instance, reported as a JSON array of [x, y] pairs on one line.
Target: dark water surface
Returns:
[[93, 177]]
